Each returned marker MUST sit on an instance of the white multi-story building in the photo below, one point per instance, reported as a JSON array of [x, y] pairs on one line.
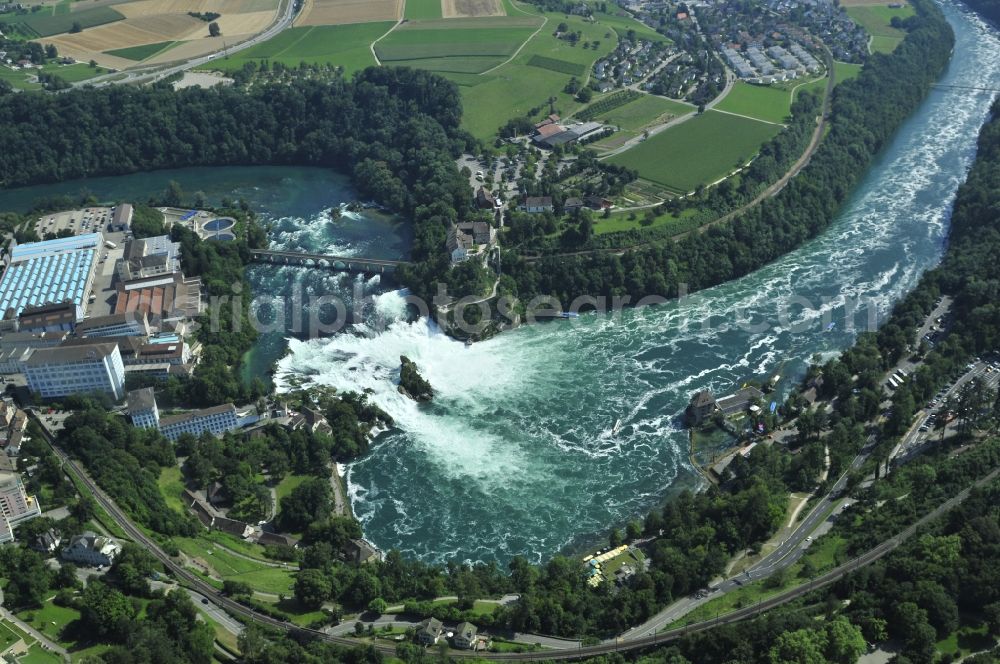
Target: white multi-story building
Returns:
[[142, 409], [92, 549], [66, 370], [216, 420]]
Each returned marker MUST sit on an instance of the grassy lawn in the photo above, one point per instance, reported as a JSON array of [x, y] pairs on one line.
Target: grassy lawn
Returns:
[[171, 485], [699, 151], [38, 655], [289, 484], [70, 73], [7, 637], [758, 101], [342, 45], [876, 19], [143, 52], [74, 73], [882, 44], [273, 580], [499, 645], [51, 620], [846, 70], [966, 640], [644, 111], [621, 222], [622, 24], [422, 9], [234, 543]]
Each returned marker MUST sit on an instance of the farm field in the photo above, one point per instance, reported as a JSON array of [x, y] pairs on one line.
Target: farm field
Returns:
[[422, 9], [143, 52], [46, 24], [515, 88], [758, 101], [342, 12], [486, 46], [471, 8], [644, 111], [151, 30], [343, 45], [699, 151]]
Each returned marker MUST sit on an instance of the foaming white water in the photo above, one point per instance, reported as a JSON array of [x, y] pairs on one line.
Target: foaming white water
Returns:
[[516, 454]]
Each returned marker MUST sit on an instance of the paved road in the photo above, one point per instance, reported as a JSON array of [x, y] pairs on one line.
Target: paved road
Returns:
[[915, 440], [149, 74], [634, 641], [785, 555]]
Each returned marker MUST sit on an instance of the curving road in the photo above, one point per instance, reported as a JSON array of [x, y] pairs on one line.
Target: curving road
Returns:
[[640, 637], [150, 74]]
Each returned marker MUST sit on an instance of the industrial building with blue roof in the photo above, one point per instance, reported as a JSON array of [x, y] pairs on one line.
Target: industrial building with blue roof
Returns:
[[50, 272]]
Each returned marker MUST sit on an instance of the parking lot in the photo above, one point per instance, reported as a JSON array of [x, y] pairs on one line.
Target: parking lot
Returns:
[[930, 423], [82, 222], [78, 222]]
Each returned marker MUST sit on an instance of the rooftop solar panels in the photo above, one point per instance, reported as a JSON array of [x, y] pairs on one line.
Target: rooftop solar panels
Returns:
[[49, 272]]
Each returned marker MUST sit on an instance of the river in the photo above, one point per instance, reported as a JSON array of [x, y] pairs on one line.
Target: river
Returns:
[[516, 454]]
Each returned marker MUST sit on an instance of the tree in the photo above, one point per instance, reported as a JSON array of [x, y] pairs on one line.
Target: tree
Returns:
[[312, 588], [132, 567], [76, 27], [615, 538], [173, 195], [803, 646], [307, 503], [236, 588], [584, 95], [106, 611], [633, 530], [377, 606], [845, 642], [213, 29]]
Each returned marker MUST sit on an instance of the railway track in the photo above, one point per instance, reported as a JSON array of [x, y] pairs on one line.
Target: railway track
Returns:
[[247, 614]]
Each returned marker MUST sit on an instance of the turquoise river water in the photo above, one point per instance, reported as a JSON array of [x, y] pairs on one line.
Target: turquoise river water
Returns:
[[516, 454]]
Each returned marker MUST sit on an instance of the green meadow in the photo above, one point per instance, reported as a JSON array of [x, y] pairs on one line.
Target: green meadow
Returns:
[[699, 151], [343, 45], [758, 101]]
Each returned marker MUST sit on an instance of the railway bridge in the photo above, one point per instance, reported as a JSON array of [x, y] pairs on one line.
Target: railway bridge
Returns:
[[356, 264]]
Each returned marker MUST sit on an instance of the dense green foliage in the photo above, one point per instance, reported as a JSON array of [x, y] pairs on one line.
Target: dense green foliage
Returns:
[[865, 113], [126, 462], [416, 386]]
